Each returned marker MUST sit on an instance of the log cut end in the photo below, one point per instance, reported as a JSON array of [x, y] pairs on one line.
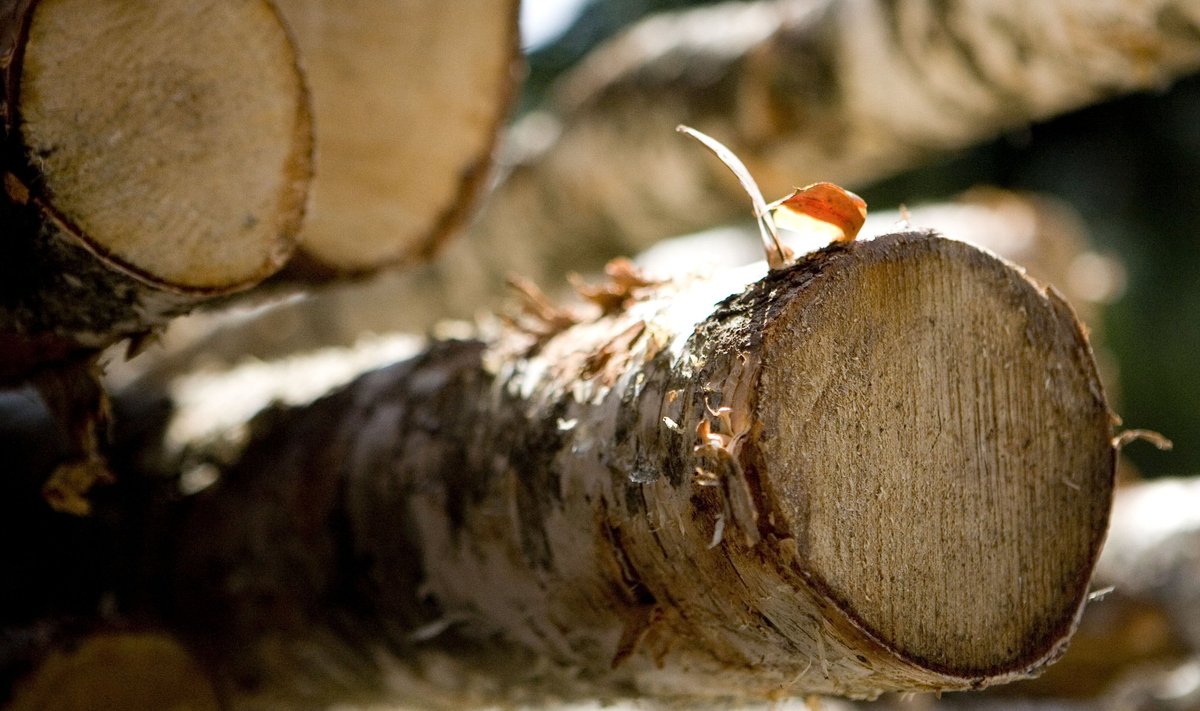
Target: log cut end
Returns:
[[171, 138], [935, 441], [410, 98]]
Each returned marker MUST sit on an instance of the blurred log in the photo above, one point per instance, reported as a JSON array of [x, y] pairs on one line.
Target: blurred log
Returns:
[[849, 91], [118, 671], [409, 98], [1153, 551], [186, 179], [154, 157], [688, 496]]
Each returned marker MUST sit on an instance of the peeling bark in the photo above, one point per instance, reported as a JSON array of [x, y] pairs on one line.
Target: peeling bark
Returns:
[[886, 468]]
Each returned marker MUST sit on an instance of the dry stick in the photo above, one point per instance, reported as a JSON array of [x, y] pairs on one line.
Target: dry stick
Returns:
[[153, 158], [777, 254], [848, 91], [887, 467]]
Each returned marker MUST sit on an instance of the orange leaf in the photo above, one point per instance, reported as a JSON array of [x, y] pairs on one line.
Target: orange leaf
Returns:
[[823, 202]]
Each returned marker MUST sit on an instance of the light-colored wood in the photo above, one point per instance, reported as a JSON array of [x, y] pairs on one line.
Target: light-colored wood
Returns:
[[157, 155], [409, 98], [939, 416], [886, 468], [172, 136]]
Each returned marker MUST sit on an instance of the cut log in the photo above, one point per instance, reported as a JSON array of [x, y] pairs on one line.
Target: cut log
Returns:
[[162, 157], [155, 156], [889, 467], [409, 98]]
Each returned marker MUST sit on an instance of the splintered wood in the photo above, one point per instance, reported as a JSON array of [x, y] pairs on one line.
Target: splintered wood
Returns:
[[886, 467]]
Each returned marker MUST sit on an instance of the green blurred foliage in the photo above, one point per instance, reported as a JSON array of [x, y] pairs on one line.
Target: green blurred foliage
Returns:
[[1131, 167]]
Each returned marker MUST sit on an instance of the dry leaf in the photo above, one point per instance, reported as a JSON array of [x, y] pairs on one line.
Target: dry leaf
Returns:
[[824, 204]]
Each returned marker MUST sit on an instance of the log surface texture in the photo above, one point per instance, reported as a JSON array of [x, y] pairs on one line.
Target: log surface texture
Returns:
[[888, 467]]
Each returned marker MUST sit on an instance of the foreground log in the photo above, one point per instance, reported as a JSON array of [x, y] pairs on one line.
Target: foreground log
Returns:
[[886, 468], [154, 157]]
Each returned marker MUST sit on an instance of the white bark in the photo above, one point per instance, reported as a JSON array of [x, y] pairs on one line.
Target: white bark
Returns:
[[687, 496]]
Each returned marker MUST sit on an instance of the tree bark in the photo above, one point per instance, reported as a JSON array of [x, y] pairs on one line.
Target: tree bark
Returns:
[[886, 468]]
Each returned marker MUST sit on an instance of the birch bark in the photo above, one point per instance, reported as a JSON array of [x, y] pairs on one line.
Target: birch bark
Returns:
[[886, 468]]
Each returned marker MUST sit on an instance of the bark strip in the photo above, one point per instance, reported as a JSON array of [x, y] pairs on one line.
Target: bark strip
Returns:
[[886, 468]]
